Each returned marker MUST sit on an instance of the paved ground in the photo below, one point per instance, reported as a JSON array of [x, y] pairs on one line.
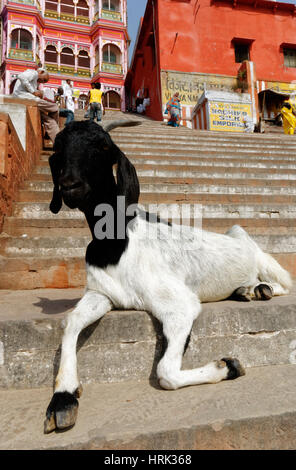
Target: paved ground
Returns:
[[257, 411]]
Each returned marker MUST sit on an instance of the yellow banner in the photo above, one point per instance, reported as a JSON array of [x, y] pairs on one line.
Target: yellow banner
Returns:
[[228, 116], [281, 87], [192, 85]]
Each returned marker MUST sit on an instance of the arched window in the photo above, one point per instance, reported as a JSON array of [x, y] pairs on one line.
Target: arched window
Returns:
[[67, 57], [111, 54], [112, 5], [67, 6], [82, 8], [82, 101], [112, 100], [51, 5], [51, 54], [83, 59], [21, 39]]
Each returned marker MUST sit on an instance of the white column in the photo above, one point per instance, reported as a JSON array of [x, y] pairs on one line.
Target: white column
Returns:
[[100, 54], [92, 55], [8, 39], [76, 58], [59, 54]]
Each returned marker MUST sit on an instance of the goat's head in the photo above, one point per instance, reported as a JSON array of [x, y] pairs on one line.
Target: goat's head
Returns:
[[82, 167]]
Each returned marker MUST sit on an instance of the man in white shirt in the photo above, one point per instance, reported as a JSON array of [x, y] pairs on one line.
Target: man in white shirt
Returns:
[[68, 92], [26, 87]]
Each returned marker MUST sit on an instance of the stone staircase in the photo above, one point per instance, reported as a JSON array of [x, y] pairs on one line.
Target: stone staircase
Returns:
[[235, 179], [242, 179]]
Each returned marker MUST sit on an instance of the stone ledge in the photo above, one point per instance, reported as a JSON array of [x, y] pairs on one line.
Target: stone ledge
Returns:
[[127, 345]]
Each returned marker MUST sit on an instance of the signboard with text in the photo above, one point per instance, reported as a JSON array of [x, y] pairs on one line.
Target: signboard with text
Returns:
[[228, 116]]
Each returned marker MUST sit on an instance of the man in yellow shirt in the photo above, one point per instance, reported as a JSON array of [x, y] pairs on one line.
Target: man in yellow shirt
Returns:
[[95, 102]]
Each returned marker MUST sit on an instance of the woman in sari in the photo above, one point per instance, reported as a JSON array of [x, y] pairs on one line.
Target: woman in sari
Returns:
[[173, 109], [289, 118]]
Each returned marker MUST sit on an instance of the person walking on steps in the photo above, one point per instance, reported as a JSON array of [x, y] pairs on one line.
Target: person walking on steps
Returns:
[[95, 102]]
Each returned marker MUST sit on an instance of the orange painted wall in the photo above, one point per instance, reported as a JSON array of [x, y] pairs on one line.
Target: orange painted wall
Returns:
[[145, 68], [196, 36], [206, 28]]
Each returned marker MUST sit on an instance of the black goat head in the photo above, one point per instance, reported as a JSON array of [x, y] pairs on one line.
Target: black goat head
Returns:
[[81, 167]]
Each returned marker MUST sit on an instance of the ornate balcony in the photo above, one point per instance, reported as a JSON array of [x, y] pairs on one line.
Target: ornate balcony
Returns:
[[67, 17], [82, 19], [66, 70], [111, 68], [21, 54], [51, 14], [52, 68], [25, 2], [97, 69], [111, 15], [83, 72]]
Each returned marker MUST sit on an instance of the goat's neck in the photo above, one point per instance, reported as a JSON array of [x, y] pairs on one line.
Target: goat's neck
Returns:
[[106, 251], [97, 206]]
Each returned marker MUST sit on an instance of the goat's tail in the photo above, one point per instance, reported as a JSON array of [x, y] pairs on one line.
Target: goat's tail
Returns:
[[270, 271]]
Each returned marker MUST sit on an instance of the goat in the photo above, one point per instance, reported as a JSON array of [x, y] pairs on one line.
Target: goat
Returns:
[[133, 272]]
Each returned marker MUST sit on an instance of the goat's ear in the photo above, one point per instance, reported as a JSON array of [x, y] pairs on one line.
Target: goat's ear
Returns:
[[55, 167], [127, 180]]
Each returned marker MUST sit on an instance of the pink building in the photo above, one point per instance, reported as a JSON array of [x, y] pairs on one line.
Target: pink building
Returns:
[[81, 40]]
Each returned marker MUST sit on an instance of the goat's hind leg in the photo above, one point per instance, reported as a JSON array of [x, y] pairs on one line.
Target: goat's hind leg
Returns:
[[62, 410], [176, 329]]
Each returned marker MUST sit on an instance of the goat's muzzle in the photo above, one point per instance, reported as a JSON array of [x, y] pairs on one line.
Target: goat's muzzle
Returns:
[[73, 193]]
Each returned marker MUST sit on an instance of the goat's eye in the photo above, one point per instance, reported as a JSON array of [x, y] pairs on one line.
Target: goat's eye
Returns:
[[105, 147]]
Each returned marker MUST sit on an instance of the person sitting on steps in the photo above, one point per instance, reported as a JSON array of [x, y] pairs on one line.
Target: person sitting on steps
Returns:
[[26, 87]]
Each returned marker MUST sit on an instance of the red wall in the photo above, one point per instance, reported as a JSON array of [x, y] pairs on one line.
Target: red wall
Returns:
[[205, 31], [196, 36], [144, 70]]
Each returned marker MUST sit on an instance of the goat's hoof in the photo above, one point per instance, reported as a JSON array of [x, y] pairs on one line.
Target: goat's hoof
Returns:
[[241, 294], [235, 369], [61, 412], [263, 292]]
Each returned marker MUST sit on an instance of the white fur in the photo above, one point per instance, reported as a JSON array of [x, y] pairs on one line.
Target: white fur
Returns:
[[170, 278]]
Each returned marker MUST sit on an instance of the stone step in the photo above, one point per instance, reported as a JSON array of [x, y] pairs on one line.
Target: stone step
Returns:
[[195, 163], [188, 186], [36, 272], [197, 143], [161, 144], [246, 208], [150, 150], [181, 197], [161, 132], [194, 183], [256, 411], [42, 173], [69, 227], [75, 246], [126, 345]]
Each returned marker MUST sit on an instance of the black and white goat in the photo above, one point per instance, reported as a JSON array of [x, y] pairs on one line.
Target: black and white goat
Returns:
[[169, 278]]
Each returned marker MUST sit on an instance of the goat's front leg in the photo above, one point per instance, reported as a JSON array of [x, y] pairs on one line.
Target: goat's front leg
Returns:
[[62, 410]]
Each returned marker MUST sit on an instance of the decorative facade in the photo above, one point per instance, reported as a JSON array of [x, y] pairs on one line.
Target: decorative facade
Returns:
[[190, 46], [82, 40]]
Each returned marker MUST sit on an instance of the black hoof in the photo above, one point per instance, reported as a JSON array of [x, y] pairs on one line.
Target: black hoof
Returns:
[[241, 295], [235, 369], [61, 412], [263, 292]]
